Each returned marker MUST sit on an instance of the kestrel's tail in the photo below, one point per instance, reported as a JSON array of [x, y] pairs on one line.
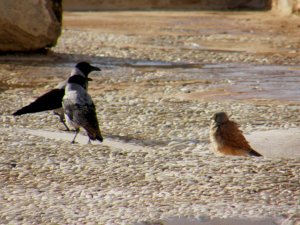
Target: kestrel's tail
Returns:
[[254, 153]]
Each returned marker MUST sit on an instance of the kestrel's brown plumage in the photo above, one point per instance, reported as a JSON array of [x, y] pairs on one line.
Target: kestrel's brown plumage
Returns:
[[227, 138]]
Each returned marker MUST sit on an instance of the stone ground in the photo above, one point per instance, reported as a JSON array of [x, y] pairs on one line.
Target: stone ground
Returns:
[[163, 76]]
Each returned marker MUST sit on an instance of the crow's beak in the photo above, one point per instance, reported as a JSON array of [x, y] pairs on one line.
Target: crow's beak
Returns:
[[94, 68]]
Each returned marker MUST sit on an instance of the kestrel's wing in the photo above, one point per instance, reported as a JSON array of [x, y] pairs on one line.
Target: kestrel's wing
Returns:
[[232, 136]]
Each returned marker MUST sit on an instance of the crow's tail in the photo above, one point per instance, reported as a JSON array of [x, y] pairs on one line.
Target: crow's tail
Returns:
[[99, 138]]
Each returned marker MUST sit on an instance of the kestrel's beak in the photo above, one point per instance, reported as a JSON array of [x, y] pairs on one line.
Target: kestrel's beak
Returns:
[[89, 79]]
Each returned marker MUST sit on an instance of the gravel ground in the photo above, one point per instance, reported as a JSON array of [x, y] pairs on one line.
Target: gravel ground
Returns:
[[46, 181]]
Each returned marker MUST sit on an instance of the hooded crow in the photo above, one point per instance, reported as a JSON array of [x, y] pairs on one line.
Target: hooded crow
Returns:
[[227, 138], [79, 109], [52, 100]]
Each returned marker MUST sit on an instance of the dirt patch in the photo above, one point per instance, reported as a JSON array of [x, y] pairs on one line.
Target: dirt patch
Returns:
[[253, 32]]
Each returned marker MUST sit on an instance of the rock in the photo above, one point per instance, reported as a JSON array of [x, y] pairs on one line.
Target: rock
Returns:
[[29, 25], [285, 7]]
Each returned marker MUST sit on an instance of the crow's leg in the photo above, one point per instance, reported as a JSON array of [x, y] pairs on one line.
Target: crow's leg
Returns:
[[62, 120], [89, 141], [64, 123], [76, 133]]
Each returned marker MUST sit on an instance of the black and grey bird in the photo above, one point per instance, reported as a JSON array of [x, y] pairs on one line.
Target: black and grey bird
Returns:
[[52, 100], [79, 109]]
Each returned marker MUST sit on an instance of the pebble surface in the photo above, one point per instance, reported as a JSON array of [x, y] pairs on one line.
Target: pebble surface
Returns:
[[46, 181]]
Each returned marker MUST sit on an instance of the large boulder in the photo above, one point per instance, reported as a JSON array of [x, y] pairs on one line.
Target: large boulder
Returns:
[[29, 25]]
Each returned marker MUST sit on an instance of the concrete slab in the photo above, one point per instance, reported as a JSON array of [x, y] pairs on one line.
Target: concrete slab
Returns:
[[218, 221], [281, 143]]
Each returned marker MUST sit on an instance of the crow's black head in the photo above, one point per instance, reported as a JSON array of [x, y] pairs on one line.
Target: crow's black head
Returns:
[[86, 68]]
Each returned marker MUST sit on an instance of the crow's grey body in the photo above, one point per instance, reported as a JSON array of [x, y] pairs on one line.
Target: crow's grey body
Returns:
[[62, 85], [52, 100], [79, 109]]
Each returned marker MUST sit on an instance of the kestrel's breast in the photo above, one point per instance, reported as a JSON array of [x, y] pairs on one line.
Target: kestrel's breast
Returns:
[[227, 139]]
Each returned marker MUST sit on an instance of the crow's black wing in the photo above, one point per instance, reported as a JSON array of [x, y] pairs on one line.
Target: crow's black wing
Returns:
[[49, 101], [85, 116]]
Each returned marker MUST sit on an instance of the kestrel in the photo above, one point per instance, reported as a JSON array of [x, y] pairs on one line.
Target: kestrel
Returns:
[[227, 139]]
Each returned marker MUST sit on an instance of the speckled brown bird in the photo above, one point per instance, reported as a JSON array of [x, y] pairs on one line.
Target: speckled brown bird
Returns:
[[227, 139]]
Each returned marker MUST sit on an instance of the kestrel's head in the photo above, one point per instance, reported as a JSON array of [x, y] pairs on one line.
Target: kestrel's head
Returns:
[[220, 118]]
